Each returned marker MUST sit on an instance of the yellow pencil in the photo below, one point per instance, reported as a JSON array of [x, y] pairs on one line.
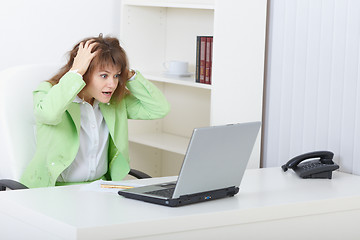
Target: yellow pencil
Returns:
[[115, 186]]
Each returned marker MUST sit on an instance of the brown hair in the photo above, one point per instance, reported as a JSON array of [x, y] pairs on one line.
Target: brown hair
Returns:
[[110, 52]]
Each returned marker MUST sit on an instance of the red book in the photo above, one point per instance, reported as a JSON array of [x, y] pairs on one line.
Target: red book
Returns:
[[202, 59], [211, 56], [197, 70], [208, 61]]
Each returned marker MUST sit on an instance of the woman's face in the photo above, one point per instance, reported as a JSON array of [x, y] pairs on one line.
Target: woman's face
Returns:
[[101, 84]]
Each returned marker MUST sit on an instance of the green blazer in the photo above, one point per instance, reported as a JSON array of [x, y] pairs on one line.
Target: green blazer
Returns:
[[58, 126]]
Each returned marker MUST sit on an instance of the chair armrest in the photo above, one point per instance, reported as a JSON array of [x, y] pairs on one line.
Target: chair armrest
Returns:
[[11, 184], [138, 174]]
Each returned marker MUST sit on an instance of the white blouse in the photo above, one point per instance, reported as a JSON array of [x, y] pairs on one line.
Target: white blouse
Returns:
[[91, 160]]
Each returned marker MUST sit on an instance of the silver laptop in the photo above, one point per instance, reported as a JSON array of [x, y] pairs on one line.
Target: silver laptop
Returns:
[[213, 167]]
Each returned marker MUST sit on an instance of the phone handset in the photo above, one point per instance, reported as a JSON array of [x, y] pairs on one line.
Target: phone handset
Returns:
[[325, 157], [322, 167]]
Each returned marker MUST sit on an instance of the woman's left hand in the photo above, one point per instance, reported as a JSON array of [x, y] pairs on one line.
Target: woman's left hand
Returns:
[[131, 73]]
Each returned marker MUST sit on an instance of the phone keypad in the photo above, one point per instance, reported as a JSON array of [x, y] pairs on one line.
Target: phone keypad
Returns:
[[311, 165], [315, 169]]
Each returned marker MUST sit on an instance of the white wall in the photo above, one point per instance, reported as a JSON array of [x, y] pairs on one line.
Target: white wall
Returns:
[[43, 31]]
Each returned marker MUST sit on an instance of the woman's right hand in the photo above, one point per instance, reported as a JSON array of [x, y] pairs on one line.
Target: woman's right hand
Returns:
[[83, 57]]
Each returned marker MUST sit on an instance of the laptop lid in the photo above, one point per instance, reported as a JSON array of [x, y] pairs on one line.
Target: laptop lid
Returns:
[[216, 158]]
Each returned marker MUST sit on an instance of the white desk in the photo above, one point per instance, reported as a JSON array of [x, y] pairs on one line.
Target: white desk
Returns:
[[271, 204]]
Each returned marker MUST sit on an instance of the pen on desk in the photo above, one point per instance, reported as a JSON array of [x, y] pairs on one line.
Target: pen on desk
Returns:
[[115, 186]]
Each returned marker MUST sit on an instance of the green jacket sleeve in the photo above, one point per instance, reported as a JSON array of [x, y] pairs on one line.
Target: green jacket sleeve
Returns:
[[145, 100], [51, 102]]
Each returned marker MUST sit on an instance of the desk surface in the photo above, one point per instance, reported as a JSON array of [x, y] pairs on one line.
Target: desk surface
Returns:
[[265, 195]]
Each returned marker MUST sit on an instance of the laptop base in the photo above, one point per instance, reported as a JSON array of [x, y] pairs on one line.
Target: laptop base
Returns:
[[185, 199]]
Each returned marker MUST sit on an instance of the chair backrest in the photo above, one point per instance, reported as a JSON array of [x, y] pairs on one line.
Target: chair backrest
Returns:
[[17, 123]]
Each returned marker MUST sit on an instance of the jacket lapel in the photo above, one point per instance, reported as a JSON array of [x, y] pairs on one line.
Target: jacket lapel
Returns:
[[108, 112], [74, 111]]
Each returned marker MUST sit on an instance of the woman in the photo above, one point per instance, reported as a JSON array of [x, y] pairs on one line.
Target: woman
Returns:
[[81, 115]]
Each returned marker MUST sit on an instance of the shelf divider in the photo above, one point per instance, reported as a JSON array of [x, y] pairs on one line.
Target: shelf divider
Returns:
[[184, 81], [174, 4], [164, 141]]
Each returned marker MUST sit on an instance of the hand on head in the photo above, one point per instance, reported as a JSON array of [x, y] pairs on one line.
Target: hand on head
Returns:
[[130, 73], [84, 56]]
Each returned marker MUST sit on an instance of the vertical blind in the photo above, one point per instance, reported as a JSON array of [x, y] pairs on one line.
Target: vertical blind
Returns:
[[312, 99]]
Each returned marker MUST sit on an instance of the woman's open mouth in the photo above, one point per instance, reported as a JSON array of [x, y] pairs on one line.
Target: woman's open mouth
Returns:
[[108, 94]]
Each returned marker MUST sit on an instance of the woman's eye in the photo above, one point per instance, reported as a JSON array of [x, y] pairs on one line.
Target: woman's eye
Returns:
[[103, 75], [117, 76]]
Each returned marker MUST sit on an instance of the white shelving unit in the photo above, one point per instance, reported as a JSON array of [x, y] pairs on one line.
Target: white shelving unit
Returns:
[[156, 31]]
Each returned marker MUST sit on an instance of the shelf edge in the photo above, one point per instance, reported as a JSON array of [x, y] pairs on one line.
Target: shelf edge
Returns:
[[151, 140], [141, 3], [189, 82]]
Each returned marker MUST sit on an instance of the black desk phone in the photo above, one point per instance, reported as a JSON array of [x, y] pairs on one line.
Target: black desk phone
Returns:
[[319, 168]]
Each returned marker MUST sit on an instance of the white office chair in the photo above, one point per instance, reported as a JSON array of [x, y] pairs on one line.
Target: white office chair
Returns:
[[17, 123]]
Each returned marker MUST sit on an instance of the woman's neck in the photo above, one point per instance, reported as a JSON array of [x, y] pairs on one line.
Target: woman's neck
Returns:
[[86, 98]]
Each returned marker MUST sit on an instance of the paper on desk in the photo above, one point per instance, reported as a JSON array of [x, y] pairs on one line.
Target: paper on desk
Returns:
[[96, 186]]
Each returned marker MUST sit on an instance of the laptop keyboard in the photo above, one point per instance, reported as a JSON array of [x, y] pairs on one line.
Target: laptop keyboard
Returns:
[[163, 192]]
